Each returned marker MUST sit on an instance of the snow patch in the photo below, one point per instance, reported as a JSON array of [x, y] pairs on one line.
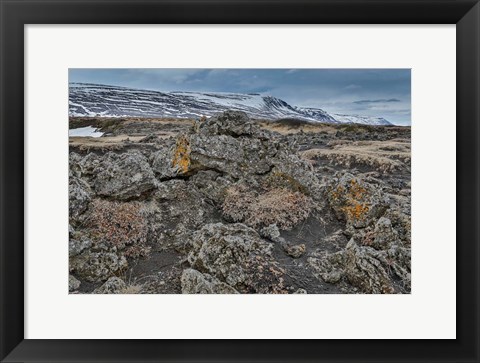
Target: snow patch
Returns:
[[88, 131]]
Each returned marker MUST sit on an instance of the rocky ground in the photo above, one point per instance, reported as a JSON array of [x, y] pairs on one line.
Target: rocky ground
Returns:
[[233, 205]]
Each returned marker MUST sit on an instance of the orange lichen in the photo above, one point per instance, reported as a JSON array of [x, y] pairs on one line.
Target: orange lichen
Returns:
[[356, 211], [353, 199], [355, 208], [181, 158]]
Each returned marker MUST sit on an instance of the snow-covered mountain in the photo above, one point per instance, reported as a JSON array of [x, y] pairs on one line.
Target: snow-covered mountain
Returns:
[[100, 100], [358, 119]]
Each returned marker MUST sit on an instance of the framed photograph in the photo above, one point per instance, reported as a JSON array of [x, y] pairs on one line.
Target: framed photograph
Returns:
[[240, 181]]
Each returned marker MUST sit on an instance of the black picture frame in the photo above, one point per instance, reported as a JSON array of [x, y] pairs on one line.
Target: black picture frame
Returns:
[[15, 14]]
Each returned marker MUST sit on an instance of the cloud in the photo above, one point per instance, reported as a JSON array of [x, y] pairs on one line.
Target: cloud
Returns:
[[383, 100], [352, 86]]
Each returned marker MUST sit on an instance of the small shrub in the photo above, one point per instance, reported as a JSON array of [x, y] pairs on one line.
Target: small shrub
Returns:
[[282, 180], [131, 289], [275, 206], [122, 225]]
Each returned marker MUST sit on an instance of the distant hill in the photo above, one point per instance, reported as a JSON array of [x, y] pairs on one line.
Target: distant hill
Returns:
[[112, 101]]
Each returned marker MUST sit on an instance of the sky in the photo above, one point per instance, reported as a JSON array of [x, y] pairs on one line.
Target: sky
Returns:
[[370, 92]]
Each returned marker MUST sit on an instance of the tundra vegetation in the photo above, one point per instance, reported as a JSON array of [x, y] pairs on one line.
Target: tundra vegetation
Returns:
[[229, 204]]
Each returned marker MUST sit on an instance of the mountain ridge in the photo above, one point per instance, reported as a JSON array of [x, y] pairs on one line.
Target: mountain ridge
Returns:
[[90, 100]]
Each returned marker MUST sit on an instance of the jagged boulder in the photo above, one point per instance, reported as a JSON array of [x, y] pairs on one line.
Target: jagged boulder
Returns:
[[194, 282], [295, 251], [73, 283], [83, 166], [329, 266], [301, 291], [271, 232], [124, 176], [370, 270], [211, 184], [114, 285], [384, 234], [97, 266], [357, 202], [163, 163], [231, 123], [233, 145], [364, 269], [296, 174], [236, 156], [235, 254], [77, 243], [401, 223], [79, 196]]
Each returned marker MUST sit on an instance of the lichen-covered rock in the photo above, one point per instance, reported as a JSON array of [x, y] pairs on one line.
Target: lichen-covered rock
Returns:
[[97, 266], [370, 270], [124, 176], [114, 285], [401, 223], [271, 232], [84, 166], [77, 244], [79, 196], [163, 163], [231, 144], [364, 270], [384, 234], [234, 156], [235, 254], [329, 266], [398, 259], [232, 123], [211, 184], [170, 190], [296, 173], [295, 251], [194, 282], [73, 283], [301, 291], [355, 201], [225, 146]]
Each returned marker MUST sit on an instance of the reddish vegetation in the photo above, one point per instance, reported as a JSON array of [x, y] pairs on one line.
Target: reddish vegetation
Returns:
[[121, 225], [276, 206]]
